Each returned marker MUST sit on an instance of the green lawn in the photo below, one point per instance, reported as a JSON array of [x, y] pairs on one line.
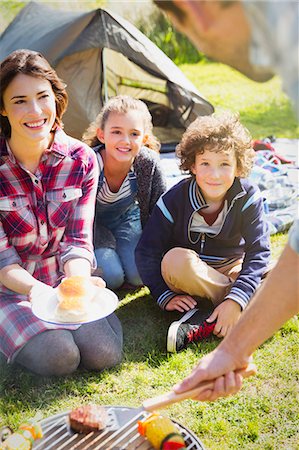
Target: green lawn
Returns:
[[263, 415], [263, 108]]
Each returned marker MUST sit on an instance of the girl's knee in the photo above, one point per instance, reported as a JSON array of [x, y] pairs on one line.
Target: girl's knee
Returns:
[[114, 279], [134, 278], [109, 264]]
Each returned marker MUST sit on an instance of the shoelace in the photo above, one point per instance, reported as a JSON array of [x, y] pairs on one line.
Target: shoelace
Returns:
[[201, 331]]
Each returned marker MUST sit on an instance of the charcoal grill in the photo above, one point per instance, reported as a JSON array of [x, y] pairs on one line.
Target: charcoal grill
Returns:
[[120, 433]]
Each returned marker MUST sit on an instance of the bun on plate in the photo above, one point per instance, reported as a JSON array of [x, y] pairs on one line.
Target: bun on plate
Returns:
[[74, 297]]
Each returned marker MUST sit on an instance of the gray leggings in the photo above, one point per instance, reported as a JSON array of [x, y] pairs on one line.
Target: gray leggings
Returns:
[[95, 346]]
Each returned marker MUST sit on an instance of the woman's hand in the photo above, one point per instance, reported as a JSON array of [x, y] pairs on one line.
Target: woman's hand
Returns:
[[39, 290], [98, 281], [181, 303]]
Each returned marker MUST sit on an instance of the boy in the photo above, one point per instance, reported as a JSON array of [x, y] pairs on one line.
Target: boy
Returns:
[[207, 237]]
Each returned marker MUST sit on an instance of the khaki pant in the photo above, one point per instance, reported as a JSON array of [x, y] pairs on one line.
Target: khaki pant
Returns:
[[184, 272]]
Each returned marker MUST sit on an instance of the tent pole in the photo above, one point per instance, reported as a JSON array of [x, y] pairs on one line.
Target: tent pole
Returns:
[[104, 77]]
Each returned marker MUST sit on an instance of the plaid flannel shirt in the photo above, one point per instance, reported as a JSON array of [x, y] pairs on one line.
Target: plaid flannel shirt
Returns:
[[46, 219]]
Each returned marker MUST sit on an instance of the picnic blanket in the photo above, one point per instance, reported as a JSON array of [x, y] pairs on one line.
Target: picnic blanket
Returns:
[[277, 180]]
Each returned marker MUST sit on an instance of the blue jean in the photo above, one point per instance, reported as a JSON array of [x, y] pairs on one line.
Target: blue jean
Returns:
[[119, 265]]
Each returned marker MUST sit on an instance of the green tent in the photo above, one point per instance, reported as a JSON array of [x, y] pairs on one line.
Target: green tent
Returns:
[[99, 54]]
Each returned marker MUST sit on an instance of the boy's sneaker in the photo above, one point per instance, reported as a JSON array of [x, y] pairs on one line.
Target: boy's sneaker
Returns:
[[191, 328]]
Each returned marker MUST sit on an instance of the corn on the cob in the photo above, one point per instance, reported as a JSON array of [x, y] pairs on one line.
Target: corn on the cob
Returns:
[[161, 433], [23, 438]]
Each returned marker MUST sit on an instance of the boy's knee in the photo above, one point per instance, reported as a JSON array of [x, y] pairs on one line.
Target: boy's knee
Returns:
[[179, 259]]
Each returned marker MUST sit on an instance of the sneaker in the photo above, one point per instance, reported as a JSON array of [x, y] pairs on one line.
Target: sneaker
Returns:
[[191, 328]]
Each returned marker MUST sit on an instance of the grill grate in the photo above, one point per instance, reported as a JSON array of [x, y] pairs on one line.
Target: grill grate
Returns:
[[119, 434]]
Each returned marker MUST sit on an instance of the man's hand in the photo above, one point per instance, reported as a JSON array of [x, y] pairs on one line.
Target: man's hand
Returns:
[[220, 367], [227, 314], [181, 303]]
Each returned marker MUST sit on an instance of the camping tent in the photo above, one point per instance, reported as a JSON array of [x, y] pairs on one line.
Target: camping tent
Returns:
[[99, 54]]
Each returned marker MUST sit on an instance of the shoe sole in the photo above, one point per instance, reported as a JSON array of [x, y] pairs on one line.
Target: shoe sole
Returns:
[[172, 332]]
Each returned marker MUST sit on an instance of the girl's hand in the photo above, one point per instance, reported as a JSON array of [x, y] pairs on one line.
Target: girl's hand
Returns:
[[227, 315], [181, 303], [98, 281]]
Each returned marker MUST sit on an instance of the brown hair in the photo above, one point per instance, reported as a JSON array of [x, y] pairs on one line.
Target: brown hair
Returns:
[[28, 62], [217, 133], [121, 104]]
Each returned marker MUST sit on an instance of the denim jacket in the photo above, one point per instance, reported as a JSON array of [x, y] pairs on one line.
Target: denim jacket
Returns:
[[151, 183]]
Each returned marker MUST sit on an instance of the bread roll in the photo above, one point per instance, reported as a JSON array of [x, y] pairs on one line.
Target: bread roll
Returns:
[[74, 299]]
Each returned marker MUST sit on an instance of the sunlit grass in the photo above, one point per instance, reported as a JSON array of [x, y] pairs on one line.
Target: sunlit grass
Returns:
[[263, 415], [263, 107]]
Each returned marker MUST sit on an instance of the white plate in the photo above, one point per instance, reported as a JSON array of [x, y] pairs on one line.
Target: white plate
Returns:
[[103, 304]]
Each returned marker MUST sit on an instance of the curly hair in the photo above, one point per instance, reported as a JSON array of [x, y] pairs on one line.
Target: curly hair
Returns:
[[29, 62], [217, 133], [121, 104]]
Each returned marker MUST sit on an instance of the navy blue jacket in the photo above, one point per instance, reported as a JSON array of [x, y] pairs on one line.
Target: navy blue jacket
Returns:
[[244, 233]]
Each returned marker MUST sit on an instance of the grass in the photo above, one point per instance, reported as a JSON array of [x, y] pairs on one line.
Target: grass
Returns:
[[263, 415], [264, 109]]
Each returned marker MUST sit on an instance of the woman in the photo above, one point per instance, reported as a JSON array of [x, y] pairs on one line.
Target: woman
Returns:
[[47, 196]]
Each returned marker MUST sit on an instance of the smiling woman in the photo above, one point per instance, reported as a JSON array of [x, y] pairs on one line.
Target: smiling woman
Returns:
[[47, 197], [29, 105]]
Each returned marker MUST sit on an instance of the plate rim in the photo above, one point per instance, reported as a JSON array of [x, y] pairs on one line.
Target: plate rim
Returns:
[[52, 320]]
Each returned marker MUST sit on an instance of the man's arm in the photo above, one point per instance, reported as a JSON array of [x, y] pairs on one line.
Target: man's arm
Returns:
[[274, 303]]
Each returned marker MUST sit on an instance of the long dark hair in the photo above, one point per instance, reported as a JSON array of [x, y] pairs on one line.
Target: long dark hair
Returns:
[[28, 62]]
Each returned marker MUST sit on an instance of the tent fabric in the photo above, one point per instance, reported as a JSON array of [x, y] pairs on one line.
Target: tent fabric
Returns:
[[99, 54]]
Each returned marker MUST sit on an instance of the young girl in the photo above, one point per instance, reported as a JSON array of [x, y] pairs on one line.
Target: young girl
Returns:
[[130, 183], [48, 184], [207, 237]]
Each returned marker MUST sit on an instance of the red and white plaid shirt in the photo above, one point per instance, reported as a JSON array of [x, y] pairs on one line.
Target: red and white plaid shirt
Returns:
[[46, 219]]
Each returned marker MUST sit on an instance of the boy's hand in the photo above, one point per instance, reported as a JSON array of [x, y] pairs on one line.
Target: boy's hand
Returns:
[[227, 314], [181, 303]]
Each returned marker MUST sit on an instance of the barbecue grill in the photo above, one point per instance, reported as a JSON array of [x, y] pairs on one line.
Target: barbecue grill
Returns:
[[120, 433]]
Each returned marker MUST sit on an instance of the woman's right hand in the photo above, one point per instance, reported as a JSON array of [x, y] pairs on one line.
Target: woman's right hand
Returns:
[[181, 303], [38, 290]]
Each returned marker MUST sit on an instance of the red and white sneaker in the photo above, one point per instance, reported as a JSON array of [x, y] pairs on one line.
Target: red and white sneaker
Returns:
[[191, 328]]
